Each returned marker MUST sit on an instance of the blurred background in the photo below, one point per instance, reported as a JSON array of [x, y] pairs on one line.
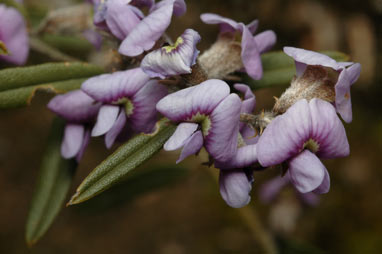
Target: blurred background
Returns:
[[177, 209]]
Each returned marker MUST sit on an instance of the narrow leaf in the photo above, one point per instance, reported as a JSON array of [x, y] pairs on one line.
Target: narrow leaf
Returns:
[[52, 187], [128, 157], [279, 69], [12, 78], [23, 96]]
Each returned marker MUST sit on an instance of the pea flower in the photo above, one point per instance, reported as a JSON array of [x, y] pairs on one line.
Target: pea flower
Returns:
[[319, 76], [14, 42], [251, 47], [145, 34], [175, 59], [80, 111], [127, 96], [306, 132]]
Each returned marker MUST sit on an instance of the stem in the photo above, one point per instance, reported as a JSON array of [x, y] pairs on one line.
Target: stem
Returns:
[[43, 48]]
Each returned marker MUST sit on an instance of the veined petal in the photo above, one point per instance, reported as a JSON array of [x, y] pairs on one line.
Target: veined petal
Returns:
[[285, 136], [325, 185], [226, 24], [112, 87], [192, 145], [235, 187], [181, 134], [150, 29], [249, 101], [13, 33], [327, 130], [107, 116], [186, 103], [115, 130], [75, 106], [85, 143], [250, 54], [346, 78], [72, 140], [144, 114], [221, 141], [244, 157], [306, 171], [173, 60], [270, 189], [265, 40]]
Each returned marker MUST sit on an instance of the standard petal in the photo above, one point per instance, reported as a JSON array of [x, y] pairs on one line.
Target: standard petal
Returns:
[[107, 116], [328, 130], [306, 171], [221, 140], [250, 54], [325, 185], [192, 145], [186, 103], [181, 134], [144, 114], [72, 140], [244, 157], [249, 101], [13, 33], [113, 133], [265, 40], [226, 24], [75, 106], [85, 143], [270, 189], [173, 60], [112, 87], [235, 187], [253, 26], [285, 136]]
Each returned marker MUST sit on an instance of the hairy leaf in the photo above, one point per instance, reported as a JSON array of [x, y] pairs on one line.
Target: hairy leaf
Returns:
[[52, 187], [117, 166]]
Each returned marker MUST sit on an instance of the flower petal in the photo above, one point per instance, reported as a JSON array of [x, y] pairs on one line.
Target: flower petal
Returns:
[[250, 54], [144, 101], [252, 27], [203, 98], [244, 157], [327, 130], [285, 136], [13, 33], [192, 145], [112, 87], [85, 143], [235, 187], [113, 133], [75, 106], [226, 24], [325, 185], [181, 134], [306, 171], [72, 140], [107, 116], [173, 60], [249, 101], [221, 141], [270, 189], [265, 40]]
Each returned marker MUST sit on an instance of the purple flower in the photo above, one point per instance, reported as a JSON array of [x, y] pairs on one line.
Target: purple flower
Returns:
[[306, 132], [235, 186], [126, 96], [13, 36], [151, 28], [79, 110], [175, 59], [348, 74], [207, 115], [251, 46]]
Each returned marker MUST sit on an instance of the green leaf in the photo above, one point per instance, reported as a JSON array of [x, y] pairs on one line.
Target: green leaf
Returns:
[[52, 187], [23, 96], [12, 78], [126, 158], [279, 69]]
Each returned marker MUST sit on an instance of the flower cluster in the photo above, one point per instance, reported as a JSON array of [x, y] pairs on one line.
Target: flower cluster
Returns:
[[302, 127]]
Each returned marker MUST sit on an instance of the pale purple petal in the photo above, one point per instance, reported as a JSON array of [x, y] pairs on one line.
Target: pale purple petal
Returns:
[[249, 135], [85, 143], [115, 130], [72, 140], [13, 33], [325, 185], [226, 24], [112, 87], [173, 60], [221, 140], [244, 157], [192, 145], [343, 102], [235, 187], [107, 116], [306, 171], [265, 40], [143, 3], [186, 103], [327, 130], [285, 136], [249, 101], [75, 106], [252, 27], [270, 189], [144, 114], [93, 37], [250, 54], [181, 134], [150, 29]]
